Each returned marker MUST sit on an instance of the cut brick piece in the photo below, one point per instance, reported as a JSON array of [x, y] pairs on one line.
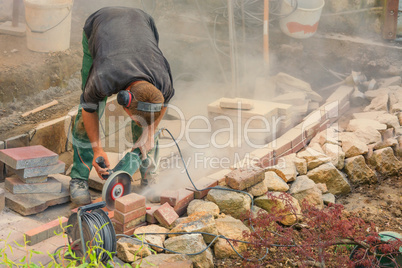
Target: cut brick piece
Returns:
[[185, 197], [16, 186], [150, 215], [220, 176], [28, 157], [27, 173], [165, 215], [242, 179], [202, 184], [129, 216], [45, 231], [129, 203], [2, 199], [170, 196], [123, 227]]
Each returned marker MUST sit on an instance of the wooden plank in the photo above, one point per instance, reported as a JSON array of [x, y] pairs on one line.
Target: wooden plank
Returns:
[[41, 108], [390, 19]]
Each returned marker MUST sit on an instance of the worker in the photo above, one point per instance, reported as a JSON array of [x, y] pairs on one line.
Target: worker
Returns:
[[121, 56]]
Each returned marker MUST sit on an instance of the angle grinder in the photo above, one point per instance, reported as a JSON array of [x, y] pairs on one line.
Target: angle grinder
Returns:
[[118, 184]]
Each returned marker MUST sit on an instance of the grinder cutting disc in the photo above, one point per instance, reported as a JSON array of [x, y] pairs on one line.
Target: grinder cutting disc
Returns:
[[117, 185]]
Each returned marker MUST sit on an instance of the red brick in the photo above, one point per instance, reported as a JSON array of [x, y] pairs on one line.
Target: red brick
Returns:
[[120, 227], [202, 184], [299, 146], [110, 213], [220, 176], [45, 231], [185, 197], [242, 179], [129, 216], [129, 202], [170, 196], [27, 157], [165, 215], [150, 214]]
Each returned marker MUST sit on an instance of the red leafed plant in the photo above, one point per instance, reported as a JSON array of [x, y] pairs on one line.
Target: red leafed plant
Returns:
[[329, 237]]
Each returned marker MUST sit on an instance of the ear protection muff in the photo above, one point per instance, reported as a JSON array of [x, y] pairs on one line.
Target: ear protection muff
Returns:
[[124, 98]]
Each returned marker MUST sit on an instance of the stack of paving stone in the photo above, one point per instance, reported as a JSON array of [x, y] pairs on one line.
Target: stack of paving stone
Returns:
[[32, 166], [129, 213]]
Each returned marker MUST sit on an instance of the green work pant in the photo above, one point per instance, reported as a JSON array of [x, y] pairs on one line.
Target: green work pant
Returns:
[[83, 153]]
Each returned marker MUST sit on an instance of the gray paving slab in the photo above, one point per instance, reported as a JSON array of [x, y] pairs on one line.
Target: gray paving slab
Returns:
[[28, 204], [27, 173], [16, 186]]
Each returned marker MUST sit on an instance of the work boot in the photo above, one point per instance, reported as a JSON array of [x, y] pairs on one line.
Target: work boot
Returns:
[[79, 193]]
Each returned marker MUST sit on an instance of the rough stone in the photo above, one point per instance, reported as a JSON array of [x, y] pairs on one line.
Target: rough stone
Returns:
[[233, 229], [379, 103], [258, 189], [157, 240], [129, 250], [391, 142], [372, 94], [197, 222], [275, 183], [197, 206], [388, 119], [165, 261], [288, 168], [242, 179], [332, 177], [368, 134], [358, 172], [192, 243], [16, 186], [385, 162], [232, 203], [28, 204], [352, 145], [335, 153], [328, 198], [300, 163], [368, 115], [397, 107], [329, 135], [391, 81], [323, 187], [305, 190], [274, 199], [313, 157], [356, 124]]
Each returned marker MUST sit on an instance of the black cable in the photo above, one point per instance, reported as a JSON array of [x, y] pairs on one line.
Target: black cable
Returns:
[[218, 188]]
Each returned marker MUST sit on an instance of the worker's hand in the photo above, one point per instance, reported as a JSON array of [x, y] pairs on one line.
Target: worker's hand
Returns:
[[145, 142], [99, 170]]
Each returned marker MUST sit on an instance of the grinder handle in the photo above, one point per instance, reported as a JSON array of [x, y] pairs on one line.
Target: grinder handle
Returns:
[[101, 162]]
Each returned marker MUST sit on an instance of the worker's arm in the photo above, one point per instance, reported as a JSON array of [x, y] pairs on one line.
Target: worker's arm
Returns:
[[146, 141], [91, 124]]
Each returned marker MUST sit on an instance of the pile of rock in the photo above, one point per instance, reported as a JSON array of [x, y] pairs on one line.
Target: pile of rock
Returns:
[[331, 163]]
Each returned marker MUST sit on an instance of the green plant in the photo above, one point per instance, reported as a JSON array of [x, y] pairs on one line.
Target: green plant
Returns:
[[63, 257]]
